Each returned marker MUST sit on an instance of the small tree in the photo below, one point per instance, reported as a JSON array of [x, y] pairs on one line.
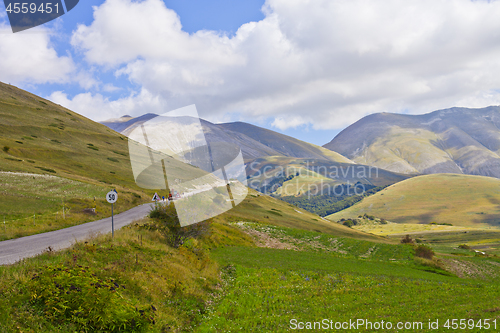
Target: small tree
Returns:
[[167, 223], [407, 240]]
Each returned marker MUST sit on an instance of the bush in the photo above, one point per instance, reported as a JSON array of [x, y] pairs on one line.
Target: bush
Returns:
[[350, 223], [167, 223], [75, 294], [424, 251], [464, 246], [383, 221], [6, 149], [407, 240]]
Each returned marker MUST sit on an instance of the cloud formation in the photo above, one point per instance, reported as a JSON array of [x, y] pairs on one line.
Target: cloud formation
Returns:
[[98, 107], [29, 57], [327, 62]]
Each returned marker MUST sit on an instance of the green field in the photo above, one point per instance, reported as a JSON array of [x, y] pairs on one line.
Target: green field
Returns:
[[223, 283], [461, 200]]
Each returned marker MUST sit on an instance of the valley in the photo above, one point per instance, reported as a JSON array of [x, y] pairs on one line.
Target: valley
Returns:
[[293, 250]]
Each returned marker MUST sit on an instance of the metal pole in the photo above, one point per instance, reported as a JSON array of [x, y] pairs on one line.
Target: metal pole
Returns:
[[112, 223]]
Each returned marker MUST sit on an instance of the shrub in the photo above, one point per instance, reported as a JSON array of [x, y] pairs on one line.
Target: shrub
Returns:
[[167, 223], [77, 295], [383, 221], [46, 169], [348, 223], [424, 251], [407, 240], [464, 246], [6, 149]]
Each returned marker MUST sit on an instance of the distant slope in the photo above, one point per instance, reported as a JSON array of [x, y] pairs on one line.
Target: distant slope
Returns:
[[461, 200], [456, 140], [254, 141]]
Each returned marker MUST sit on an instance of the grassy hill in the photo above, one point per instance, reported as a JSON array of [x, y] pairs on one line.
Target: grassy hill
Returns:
[[461, 200], [268, 210], [38, 136]]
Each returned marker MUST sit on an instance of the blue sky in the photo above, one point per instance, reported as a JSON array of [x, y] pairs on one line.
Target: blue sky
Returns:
[[306, 69]]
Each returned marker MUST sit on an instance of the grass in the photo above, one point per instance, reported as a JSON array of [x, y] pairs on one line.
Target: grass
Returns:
[[461, 200], [270, 299], [33, 203], [224, 283], [176, 282]]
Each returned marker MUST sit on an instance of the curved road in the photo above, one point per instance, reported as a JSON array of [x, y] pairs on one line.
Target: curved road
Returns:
[[16, 249]]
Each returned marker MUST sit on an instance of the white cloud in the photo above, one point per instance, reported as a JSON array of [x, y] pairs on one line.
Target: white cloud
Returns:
[[99, 108], [327, 62], [29, 57]]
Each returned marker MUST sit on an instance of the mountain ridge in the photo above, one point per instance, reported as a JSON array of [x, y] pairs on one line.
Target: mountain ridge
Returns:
[[254, 141], [455, 140]]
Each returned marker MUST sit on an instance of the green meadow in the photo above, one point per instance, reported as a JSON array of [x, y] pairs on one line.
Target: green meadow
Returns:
[[223, 282]]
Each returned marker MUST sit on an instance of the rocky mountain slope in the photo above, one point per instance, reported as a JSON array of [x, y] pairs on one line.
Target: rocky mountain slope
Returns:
[[456, 140]]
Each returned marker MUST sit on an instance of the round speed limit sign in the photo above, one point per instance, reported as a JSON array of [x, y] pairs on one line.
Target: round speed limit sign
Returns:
[[111, 197]]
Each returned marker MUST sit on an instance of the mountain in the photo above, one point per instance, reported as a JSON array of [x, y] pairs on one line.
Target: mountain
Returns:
[[284, 145], [456, 140], [254, 141], [462, 200]]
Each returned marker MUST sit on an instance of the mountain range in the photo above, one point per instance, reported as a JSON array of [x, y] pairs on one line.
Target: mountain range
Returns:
[[254, 141], [455, 140]]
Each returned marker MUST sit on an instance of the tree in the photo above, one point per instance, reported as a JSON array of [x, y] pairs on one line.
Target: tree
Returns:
[[167, 223]]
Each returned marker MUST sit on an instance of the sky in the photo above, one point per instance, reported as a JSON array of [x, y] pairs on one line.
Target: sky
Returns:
[[300, 67]]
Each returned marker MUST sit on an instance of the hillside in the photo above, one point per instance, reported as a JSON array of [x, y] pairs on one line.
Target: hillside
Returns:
[[254, 141], [456, 140], [461, 200], [44, 146], [38, 136], [300, 176], [265, 209]]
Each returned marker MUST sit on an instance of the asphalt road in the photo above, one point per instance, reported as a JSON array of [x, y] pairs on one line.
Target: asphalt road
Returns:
[[14, 250]]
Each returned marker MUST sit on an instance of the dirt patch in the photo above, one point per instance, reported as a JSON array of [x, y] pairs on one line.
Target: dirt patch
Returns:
[[262, 239], [465, 269]]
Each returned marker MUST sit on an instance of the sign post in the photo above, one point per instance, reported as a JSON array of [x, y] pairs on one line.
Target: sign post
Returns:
[[111, 197]]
